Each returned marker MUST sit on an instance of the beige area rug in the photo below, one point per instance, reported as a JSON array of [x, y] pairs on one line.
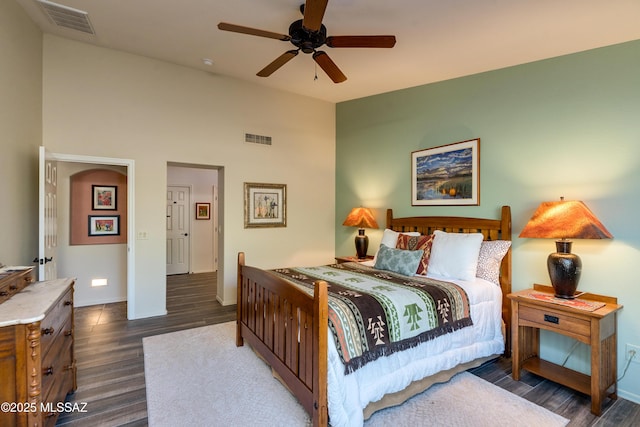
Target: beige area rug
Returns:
[[198, 377]]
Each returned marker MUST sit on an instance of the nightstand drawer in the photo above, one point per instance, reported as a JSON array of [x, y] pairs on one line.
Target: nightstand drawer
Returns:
[[555, 320]]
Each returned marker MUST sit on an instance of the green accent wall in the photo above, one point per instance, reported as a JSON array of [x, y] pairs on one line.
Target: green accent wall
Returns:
[[566, 126]]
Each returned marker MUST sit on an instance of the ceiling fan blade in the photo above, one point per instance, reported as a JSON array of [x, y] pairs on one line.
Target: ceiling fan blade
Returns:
[[252, 31], [313, 14], [361, 41], [277, 63], [329, 67]]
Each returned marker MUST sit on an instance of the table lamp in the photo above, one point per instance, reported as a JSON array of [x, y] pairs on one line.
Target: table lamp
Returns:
[[361, 218], [564, 220]]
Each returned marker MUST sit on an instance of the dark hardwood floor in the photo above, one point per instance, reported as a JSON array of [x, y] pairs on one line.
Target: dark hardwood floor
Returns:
[[111, 366], [572, 405], [109, 353]]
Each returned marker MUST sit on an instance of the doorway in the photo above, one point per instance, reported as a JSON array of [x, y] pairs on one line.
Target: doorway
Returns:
[[129, 165], [202, 183]]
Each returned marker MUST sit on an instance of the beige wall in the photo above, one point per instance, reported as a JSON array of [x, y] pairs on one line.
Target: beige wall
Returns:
[[20, 133], [100, 102]]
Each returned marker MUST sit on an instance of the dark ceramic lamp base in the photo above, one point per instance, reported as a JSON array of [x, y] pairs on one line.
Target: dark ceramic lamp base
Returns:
[[362, 244], [564, 270]]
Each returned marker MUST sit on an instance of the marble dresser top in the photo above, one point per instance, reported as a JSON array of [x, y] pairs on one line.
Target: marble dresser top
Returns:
[[31, 304]]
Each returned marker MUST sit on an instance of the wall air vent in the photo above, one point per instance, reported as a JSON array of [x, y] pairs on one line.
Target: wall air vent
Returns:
[[68, 17], [257, 139]]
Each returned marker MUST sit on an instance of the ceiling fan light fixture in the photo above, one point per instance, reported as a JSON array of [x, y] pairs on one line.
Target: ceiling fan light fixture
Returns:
[[307, 35]]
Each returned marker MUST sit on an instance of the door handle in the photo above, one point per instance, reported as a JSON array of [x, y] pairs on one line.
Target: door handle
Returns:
[[186, 234], [42, 261]]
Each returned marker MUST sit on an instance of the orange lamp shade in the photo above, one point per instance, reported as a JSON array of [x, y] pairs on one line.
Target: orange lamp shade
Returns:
[[565, 220], [361, 218]]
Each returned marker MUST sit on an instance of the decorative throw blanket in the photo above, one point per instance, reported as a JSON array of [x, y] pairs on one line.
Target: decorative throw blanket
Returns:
[[373, 313]]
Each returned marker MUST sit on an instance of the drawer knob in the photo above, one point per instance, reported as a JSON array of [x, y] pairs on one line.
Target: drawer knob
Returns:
[[68, 333], [47, 331], [551, 319], [13, 287], [4, 293], [68, 302], [47, 371]]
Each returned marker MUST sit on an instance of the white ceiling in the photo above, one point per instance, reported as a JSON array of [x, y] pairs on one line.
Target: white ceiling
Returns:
[[436, 39]]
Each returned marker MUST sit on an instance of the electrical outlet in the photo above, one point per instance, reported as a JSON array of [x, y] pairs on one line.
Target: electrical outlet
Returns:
[[629, 352]]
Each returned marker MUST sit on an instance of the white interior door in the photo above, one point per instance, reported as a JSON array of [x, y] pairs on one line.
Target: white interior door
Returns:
[[47, 216], [178, 224]]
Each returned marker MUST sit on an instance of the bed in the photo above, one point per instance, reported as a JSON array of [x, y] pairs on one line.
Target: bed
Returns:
[[287, 325]]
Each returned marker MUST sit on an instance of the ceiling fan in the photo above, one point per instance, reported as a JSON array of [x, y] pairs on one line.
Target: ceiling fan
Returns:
[[307, 35]]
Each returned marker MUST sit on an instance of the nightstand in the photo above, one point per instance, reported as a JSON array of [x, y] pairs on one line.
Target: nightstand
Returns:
[[341, 259], [595, 328]]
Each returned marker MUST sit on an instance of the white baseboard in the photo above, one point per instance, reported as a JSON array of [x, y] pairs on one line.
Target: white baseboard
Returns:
[[629, 396], [87, 303]]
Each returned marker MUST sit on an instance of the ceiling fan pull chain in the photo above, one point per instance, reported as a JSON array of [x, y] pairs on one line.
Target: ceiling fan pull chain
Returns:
[[315, 68]]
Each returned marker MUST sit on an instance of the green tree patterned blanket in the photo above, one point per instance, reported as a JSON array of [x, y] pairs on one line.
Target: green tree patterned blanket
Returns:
[[373, 313]]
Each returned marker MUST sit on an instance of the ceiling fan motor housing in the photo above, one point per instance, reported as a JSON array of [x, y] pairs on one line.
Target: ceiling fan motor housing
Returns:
[[307, 41]]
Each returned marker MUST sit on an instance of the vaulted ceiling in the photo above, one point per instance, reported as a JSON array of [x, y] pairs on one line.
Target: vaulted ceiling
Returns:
[[436, 39]]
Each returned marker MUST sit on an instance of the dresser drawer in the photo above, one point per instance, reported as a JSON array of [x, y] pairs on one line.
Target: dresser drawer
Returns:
[[57, 385], [555, 320], [56, 364], [12, 282], [53, 323]]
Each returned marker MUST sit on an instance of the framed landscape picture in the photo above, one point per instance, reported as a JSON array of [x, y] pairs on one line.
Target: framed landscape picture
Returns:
[[104, 197], [265, 205], [104, 225], [448, 175], [203, 210]]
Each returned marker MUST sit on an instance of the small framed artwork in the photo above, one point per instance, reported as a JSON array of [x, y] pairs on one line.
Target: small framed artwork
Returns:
[[203, 210], [448, 175], [104, 197], [265, 205], [104, 225]]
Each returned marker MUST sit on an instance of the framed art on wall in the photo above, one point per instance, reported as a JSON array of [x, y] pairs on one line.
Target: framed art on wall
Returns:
[[104, 197], [203, 210], [448, 175], [265, 205], [104, 225]]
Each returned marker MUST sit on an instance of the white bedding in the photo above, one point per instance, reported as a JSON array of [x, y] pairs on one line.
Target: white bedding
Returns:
[[349, 394]]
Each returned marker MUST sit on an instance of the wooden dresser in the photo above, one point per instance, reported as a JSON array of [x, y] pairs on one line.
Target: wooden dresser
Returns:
[[13, 281], [37, 363]]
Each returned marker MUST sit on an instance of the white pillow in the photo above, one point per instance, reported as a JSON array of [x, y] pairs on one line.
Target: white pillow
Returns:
[[390, 239], [455, 255]]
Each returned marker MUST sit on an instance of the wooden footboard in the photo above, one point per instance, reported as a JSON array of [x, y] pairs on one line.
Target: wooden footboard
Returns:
[[288, 328]]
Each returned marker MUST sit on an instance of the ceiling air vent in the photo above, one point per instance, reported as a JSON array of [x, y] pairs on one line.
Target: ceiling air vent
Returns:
[[68, 17], [257, 139]]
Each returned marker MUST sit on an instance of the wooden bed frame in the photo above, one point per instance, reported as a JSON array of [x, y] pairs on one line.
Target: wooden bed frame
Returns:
[[288, 328]]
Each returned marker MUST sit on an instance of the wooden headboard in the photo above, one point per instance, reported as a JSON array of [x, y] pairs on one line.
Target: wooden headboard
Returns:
[[491, 229]]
